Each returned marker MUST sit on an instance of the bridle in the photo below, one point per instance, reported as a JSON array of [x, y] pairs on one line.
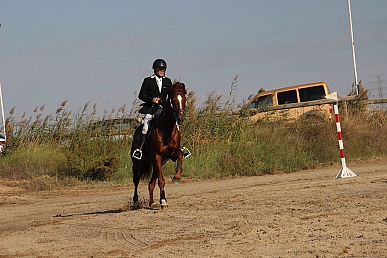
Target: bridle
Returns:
[[176, 111]]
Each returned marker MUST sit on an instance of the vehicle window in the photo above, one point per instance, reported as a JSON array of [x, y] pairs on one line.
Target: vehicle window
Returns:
[[287, 97], [311, 93], [265, 101], [262, 101], [252, 105]]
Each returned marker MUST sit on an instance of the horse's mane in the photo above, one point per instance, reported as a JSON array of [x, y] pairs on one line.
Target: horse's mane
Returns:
[[178, 87]]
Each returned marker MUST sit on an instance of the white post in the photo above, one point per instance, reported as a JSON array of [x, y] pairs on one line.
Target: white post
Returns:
[[2, 110], [353, 47], [344, 172]]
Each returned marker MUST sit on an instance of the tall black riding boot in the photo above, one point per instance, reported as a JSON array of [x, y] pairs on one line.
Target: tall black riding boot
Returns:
[[137, 153]]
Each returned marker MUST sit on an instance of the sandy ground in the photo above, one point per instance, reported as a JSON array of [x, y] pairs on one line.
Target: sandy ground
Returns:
[[302, 214]]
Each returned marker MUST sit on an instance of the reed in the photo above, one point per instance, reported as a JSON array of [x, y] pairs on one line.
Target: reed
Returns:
[[63, 147]]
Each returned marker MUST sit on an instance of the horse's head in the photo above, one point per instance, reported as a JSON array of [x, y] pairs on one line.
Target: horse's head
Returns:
[[178, 101]]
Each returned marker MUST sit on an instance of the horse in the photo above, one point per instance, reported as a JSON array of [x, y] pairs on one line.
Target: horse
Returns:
[[162, 144]]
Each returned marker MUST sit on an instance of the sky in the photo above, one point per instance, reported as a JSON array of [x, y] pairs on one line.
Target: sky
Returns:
[[99, 51]]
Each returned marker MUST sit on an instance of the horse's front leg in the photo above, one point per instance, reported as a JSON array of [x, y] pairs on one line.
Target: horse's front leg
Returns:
[[161, 181], [176, 154], [151, 187], [179, 154]]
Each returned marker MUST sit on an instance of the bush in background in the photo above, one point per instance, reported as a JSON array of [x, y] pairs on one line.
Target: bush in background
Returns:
[[65, 147]]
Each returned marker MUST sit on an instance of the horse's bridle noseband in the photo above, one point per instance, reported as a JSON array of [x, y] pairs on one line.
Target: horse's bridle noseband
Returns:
[[177, 111]]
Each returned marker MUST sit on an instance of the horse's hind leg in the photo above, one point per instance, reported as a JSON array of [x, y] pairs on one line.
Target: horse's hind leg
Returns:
[[136, 181]]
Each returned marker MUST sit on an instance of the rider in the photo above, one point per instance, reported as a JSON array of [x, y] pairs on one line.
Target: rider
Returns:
[[153, 92]]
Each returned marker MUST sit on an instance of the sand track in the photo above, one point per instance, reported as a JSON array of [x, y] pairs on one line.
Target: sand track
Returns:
[[302, 214]]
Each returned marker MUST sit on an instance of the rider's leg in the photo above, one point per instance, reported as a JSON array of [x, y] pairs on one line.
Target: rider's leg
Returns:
[[137, 154], [158, 111], [147, 119]]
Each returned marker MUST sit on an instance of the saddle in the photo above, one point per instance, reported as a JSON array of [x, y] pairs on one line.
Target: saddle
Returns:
[[138, 134]]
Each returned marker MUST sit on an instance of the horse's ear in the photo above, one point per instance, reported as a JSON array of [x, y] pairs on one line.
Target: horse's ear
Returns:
[[183, 85]]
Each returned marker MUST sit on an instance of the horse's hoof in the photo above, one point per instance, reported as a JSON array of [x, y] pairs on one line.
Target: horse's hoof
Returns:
[[135, 206], [164, 204], [176, 180], [154, 206]]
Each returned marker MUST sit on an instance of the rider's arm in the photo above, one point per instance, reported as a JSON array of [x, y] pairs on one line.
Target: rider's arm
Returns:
[[145, 93]]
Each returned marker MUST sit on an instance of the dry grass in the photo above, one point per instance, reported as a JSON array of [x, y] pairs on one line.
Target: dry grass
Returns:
[[64, 146]]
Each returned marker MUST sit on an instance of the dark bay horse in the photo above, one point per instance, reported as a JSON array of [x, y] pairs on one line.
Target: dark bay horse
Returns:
[[162, 144]]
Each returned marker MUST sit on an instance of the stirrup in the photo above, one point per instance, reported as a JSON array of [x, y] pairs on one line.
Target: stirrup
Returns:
[[186, 154], [137, 154]]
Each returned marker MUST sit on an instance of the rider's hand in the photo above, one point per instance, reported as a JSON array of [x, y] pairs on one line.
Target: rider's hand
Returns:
[[156, 100]]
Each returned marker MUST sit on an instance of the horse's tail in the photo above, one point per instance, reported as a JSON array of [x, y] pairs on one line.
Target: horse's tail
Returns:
[[145, 169]]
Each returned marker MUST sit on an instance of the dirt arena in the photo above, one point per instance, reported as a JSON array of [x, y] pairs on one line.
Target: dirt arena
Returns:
[[302, 214]]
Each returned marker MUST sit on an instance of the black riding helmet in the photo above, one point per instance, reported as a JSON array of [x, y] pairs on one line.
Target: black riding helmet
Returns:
[[159, 63]]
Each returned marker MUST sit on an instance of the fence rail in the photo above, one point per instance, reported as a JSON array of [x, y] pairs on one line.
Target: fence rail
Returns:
[[376, 101]]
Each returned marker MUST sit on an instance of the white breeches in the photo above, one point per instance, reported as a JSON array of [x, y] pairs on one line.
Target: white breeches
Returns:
[[147, 119]]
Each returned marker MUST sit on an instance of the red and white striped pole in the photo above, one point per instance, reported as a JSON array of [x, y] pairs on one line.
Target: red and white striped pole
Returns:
[[344, 172]]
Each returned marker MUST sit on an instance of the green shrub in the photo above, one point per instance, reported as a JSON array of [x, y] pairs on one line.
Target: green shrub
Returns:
[[32, 161], [68, 146], [103, 168]]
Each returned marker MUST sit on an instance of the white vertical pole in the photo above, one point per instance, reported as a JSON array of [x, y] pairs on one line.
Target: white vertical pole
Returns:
[[353, 47], [2, 109]]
